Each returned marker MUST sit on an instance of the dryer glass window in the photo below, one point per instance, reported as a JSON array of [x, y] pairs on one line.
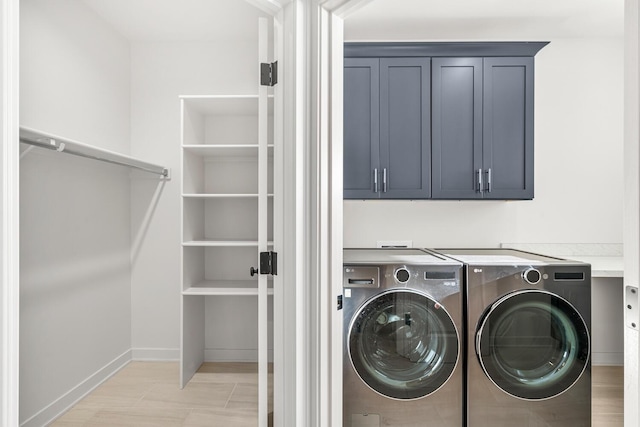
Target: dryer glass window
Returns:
[[533, 344], [403, 344]]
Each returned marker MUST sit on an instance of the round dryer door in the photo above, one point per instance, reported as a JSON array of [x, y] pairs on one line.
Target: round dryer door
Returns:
[[403, 344], [532, 344]]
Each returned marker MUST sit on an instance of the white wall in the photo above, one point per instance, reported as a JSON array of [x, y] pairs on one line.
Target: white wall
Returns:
[[578, 167], [160, 73], [3, 220], [607, 321], [75, 212], [75, 74]]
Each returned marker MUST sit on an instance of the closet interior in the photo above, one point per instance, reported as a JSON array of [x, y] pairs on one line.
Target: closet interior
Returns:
[[145, 255]]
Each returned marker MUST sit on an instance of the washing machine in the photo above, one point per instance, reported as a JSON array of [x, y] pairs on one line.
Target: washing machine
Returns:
[[528, 325], [403, 325]]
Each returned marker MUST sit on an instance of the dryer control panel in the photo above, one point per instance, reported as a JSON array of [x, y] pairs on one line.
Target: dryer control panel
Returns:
[[361, 276]]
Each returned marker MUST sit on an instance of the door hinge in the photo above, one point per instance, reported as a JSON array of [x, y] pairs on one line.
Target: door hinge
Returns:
[[269, 73], [631, 317], [269, 263]]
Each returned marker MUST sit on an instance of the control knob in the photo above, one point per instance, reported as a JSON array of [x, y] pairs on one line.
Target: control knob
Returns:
[[531, 276], [402, 275]]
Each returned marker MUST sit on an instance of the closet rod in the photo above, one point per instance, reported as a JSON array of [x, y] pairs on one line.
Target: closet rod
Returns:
[[63, 145]]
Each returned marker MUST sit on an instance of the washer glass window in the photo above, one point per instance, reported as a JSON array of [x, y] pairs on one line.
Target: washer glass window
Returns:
[[533, 344], [403, 344]]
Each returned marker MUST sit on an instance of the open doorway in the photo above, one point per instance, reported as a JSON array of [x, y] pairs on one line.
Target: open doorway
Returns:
[[579, 72]]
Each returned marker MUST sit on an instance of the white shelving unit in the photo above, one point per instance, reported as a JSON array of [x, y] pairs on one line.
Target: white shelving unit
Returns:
[[227, 213], [223, 199]]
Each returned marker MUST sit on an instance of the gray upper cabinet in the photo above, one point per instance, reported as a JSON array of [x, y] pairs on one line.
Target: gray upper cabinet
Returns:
[[483, 128], [457, 128], [508, 128], [405, 133], [439, 120], [387, 151], [361, 128]]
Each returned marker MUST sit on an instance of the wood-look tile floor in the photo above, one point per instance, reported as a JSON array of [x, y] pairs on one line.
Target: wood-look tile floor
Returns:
[[607, 396], [147, 394], [226, 394]]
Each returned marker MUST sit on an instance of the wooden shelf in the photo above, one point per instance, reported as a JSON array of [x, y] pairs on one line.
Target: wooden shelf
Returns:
[[223, 243], [223, 292], [226, 105], [226, 150], [220, 196], [226, 287]]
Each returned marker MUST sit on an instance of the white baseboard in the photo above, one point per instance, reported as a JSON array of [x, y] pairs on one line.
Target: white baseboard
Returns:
[[240, 355], [607, 359], [66, 401], [156, 354]]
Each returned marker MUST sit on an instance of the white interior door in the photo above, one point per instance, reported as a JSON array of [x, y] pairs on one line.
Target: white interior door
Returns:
[[263, 219], [285, 399]]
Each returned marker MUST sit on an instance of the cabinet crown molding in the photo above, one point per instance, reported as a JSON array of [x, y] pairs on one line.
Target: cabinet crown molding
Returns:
[[441, 49]]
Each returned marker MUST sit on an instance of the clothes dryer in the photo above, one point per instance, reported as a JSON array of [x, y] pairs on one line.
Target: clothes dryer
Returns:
[[528, 326], [402, 339]]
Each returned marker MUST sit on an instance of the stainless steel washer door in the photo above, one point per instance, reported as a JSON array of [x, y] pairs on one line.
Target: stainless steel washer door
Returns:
[[403, 344], [532, 344]]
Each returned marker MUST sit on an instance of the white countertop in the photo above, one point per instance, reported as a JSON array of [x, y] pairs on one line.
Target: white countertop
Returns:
[[602, 266], [606, 259]]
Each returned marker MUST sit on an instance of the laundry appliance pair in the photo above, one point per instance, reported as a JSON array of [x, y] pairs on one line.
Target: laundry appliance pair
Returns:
[[465, 337]]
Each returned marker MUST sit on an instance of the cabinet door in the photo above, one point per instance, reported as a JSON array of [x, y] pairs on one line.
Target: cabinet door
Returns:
[[457, 128], [405, 133], [361, 128], [508, 128]]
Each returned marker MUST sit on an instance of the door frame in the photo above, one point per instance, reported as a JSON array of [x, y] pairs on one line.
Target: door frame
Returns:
[[10, 250], [632, 191], [631, 212], [319, 79], [307, 324]]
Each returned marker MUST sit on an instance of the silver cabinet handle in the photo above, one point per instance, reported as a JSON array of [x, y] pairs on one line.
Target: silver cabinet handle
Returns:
[[375, 180], [384, 180], [479, 173], [489, 180]]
